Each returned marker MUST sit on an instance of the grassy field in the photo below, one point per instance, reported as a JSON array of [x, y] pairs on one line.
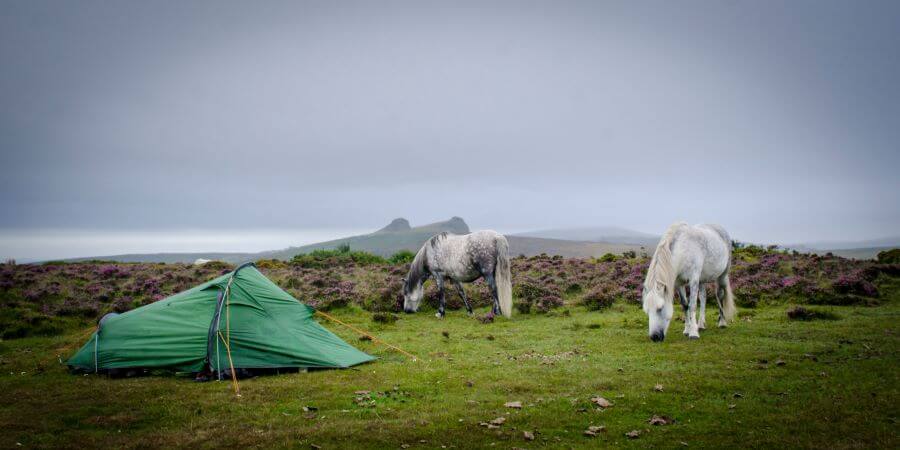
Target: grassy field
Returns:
[[764, 382]]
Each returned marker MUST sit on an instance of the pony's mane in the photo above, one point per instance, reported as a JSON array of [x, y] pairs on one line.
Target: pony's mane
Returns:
[[416, 268], [661, 270]]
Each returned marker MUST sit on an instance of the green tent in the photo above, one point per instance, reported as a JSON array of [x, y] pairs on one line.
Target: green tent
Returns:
[[242, 311]]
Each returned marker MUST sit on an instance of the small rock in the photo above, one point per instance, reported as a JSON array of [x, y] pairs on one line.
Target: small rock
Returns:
[[633, 434], [601, 402], [738, 395], [732, 406], [779, 362], [361, 392], [658, 388], [597, 428], [404, 446], [514, 405], [446, 334], [498, 421], [660, 420], [469, 384], [529, 436]]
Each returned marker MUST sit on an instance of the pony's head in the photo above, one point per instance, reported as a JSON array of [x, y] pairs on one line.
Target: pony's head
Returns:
[[659, 287], [412, 294], [659, 310]]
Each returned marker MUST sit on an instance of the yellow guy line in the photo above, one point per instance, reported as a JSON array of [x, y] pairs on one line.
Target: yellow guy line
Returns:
[[237, 387], [373, 338]]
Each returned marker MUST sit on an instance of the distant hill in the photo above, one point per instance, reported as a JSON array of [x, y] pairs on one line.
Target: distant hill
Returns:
[[612, 235], [396, 236], [530, 246], [852, 253], [399, 235], [170, 258], [867, 249]]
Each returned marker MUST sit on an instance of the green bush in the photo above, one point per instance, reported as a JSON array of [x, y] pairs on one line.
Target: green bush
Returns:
[[889, 256], [402, 257], [609, 257], [324, 258]]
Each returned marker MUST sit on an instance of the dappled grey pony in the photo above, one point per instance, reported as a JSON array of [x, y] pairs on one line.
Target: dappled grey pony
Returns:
[[688, 256], [461, 259]]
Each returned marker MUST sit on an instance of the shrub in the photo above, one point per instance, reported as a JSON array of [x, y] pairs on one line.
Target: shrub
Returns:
[[547, 303], [856, 284], [532, 291], [801, 313], [601, 297], [271, 264], [384, 317], [401, 257], [573, 288], [609, 257], [889, 256], [342, 255]]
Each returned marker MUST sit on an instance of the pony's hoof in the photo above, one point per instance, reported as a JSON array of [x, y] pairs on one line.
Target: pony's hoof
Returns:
[[439, 315], [702, 327], [694, 336], [723, 324]]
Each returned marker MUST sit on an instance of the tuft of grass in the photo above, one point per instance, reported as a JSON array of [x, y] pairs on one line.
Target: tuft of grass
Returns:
[[805, 313]]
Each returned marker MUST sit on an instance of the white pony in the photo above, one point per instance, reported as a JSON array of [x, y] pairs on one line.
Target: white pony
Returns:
[[462, 259], [688, 256]]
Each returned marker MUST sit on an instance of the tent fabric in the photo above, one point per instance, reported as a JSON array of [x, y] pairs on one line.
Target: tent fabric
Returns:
[[263, 326]]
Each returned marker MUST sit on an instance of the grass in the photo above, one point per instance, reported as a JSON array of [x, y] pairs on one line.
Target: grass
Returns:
[[837, 388]]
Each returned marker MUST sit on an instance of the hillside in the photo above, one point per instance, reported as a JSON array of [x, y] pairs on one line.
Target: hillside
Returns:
[[607, 234], [397, 235]]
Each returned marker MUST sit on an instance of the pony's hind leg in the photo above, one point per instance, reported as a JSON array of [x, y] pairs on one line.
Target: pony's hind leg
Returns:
[[684, 308], [702, 319], [693, 331], [493, 284], [462, 293], [720, 293], [439, 280]]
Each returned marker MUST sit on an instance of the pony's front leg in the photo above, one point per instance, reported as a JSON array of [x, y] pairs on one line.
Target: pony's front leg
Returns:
[[684, 309], [462, 293], [439, 280], [702, 324], [693, 331]]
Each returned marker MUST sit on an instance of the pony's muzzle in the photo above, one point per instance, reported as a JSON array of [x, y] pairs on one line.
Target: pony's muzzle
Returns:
[[657, 336]]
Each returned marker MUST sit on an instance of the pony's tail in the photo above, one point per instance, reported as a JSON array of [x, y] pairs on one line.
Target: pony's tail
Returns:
[[502, 277], [728, 308]]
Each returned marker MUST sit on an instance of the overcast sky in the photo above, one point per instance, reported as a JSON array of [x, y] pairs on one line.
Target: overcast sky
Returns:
[[778, 119]]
